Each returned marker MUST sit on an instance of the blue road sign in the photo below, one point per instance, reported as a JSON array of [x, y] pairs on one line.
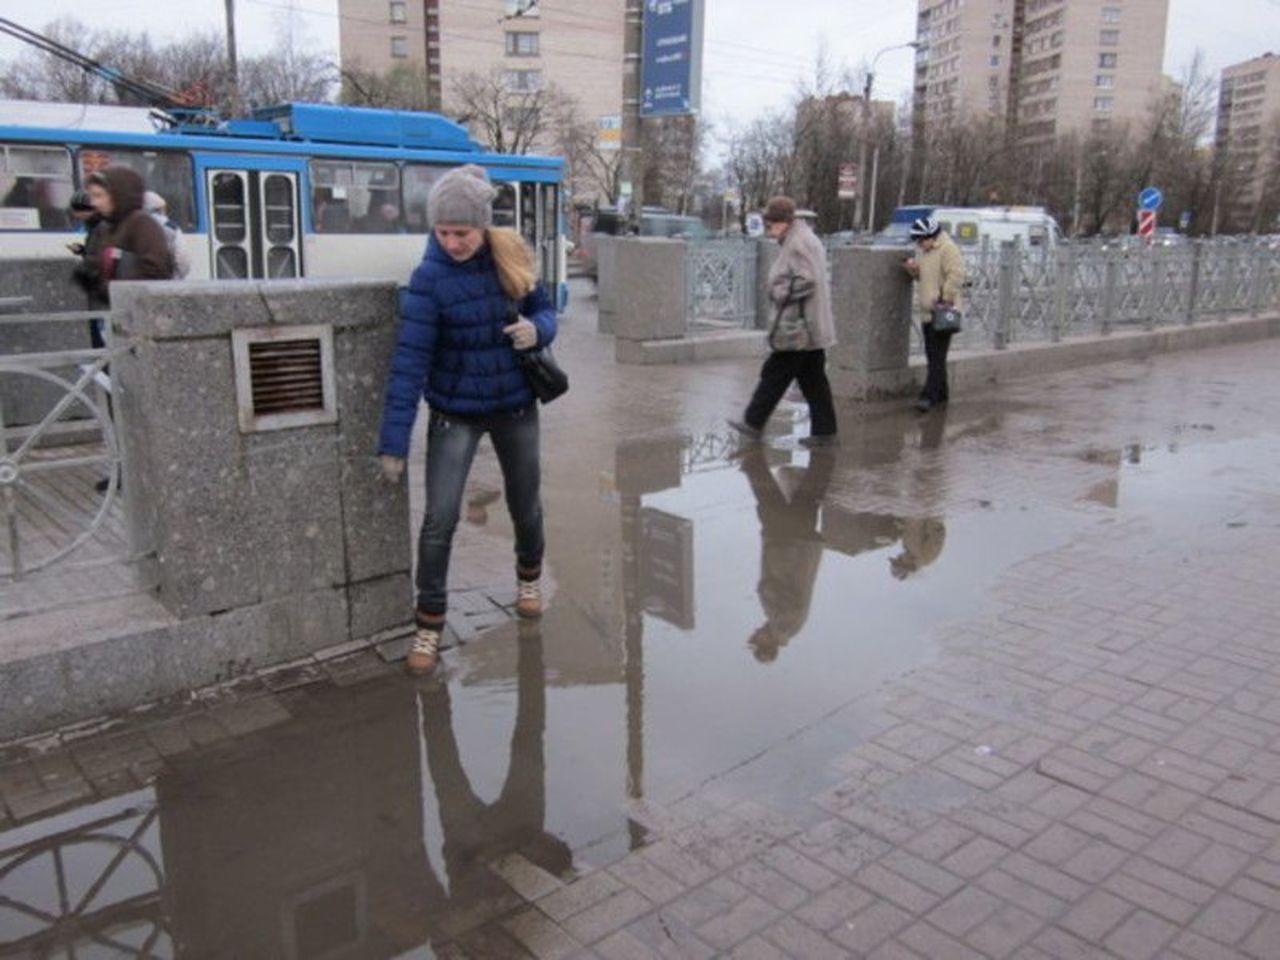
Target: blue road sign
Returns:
[[1184, 220], [671, 68], [1150, 199]]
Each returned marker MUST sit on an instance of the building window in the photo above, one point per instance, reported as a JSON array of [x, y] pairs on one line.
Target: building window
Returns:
[[995, 42], [1109, 38], [521, 44], [1108, 61], [995, 59], [524, 81], [1103, 104], [1110, 14], [1104, 81], [398, 12], [399, 47]]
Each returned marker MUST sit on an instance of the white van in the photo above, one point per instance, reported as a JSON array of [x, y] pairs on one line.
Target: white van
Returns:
[[971, 226]]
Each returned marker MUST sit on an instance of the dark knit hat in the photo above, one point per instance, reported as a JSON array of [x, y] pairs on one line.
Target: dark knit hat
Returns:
[[780, 210], [462, 197]]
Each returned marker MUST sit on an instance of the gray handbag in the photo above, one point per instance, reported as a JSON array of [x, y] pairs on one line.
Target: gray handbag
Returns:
[[946, 318], [790, 329]]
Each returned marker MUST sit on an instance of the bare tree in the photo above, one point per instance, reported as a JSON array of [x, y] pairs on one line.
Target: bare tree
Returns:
[[504, 118], [403, 87]]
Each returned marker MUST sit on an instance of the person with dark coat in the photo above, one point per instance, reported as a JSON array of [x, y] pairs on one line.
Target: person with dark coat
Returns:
[[472, 303], [89, 250], [132, 245]]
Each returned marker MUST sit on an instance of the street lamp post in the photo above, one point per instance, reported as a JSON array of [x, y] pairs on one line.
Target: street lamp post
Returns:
[[868, 222]]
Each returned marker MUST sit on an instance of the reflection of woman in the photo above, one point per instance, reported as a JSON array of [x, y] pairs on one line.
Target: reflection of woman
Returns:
[[472, 303], [790, 547], [475, 831], [922, 541]]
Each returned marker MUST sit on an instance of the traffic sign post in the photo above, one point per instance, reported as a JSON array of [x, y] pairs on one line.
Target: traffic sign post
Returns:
[[1147, 225], [847, 182]]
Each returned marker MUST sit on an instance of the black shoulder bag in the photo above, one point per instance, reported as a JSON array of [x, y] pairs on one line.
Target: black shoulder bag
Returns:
[[546, 379]]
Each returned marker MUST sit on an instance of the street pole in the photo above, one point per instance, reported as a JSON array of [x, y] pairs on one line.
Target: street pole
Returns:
[[870, 222], [233, 70], [862, 148], [632, 156]]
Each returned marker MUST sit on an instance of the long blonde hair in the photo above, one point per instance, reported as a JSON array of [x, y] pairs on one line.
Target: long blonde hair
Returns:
[[514, 259]]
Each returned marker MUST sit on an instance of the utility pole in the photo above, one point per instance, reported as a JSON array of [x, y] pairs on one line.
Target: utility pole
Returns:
[[232, 67], [632, 153]]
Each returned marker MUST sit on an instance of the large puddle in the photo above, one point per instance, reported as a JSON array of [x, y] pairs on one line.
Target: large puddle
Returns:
[[729, 617]]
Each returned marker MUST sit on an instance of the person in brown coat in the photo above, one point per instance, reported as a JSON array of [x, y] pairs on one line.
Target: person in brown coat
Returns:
[[133, 246]]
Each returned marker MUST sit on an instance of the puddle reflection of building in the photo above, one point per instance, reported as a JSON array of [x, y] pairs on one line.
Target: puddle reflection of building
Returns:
[[314, 838]]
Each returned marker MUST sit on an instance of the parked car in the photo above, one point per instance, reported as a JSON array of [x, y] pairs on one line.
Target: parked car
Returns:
[[654, 222], [972, 226]]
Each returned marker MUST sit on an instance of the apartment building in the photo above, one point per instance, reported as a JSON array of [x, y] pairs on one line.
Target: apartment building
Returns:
[[1040, 67], [575, 44], [1247, 132]]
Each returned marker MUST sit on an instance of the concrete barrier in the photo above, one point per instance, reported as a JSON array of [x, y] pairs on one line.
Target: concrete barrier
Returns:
[[244, 511]]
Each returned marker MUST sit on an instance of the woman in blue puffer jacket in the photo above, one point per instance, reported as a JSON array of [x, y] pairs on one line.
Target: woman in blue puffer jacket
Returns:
[[472, 302]]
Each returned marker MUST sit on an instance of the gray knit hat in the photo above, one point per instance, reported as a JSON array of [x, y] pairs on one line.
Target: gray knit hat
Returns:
[[462, 197]]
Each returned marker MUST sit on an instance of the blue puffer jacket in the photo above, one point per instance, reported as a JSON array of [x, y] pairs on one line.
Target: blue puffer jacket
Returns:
[[451, 349]]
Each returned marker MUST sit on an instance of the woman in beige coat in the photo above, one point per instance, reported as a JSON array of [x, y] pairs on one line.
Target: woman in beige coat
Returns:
[[940, 273], [802, 329]]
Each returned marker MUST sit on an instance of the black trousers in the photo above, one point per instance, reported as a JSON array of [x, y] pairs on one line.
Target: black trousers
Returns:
[[936, 346], [809, 369]]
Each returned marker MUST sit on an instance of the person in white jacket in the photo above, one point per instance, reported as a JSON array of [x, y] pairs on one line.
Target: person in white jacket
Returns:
[[158, 207]]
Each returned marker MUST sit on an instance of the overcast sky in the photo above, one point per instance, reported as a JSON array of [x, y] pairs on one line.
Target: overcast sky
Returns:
[[755, 49]]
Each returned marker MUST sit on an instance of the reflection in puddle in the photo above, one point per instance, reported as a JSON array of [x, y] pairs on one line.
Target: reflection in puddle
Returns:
[[728, 614]]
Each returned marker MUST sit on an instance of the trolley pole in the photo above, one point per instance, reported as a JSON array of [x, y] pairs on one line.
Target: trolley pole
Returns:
[[632, 151], [233, 70]]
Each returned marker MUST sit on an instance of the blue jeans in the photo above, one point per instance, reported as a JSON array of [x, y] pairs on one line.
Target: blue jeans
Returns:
[[451, 448]]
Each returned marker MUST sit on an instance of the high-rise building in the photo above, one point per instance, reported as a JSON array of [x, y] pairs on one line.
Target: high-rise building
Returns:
[[574, 44], [1040, 67], [1248, 126]]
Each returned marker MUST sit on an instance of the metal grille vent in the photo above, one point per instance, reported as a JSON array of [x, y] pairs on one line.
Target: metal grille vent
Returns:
[[286, 376]]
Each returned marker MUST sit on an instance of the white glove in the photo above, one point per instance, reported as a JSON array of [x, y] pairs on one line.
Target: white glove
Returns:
[[523, 334]]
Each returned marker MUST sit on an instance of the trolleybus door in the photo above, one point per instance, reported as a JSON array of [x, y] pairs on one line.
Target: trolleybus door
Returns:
[[540, 225], [254, 228]]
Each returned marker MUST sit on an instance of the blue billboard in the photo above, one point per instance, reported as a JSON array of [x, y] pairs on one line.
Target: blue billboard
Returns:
[[671, 68]]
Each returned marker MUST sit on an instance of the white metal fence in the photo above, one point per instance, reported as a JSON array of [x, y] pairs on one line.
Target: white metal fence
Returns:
[[1016, 294], [721, 277]]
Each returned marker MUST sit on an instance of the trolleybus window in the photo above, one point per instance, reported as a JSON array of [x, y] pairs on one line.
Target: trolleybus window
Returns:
[[504, 206], [355, 197], [167, 173], [418, 179], [35, 188]]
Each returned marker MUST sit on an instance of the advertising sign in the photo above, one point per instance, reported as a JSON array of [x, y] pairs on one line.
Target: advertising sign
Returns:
[[671, 65]]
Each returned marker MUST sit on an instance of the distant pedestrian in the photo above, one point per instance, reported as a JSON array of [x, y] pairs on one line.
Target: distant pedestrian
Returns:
[[939, 272], [457, 349], [133, 246], [802, 329], [158, 207], [89, 250]]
